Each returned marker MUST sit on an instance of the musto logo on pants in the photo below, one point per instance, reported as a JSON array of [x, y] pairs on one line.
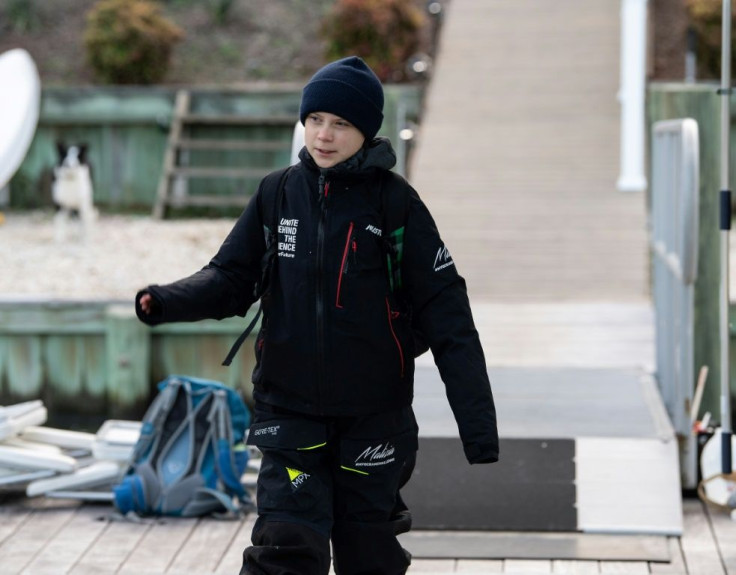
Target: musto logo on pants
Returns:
[[376, 456], [297, 477]]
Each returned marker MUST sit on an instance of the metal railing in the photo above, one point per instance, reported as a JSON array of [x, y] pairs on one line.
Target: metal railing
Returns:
[[674, 243]]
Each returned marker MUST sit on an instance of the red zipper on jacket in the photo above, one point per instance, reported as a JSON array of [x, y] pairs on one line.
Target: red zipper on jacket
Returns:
[[344, 261], [391, 316]]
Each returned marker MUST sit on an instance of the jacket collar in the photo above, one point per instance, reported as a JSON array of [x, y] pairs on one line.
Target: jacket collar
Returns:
[[375, 155]]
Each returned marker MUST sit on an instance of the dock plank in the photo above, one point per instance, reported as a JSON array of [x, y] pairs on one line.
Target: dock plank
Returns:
[[624, 567], [111, 549], [676, 565], [206, 547], [479, 566], [698, 545], [527, 566], [12, 516], [724, 530], [22, 546], [71, 542], [420, 566], [565, 334], [233, 558], [159, 546], [51, 537], [569, 567]]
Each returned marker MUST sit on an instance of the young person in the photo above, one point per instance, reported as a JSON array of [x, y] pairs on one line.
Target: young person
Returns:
[[333, 384]]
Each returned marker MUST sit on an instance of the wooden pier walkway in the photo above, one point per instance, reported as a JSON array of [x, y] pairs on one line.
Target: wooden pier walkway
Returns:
[[57, 537], [517, 159], [517, 156]]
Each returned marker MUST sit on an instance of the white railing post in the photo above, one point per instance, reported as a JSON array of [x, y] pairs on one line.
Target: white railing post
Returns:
[[632, 95], [674, 243]]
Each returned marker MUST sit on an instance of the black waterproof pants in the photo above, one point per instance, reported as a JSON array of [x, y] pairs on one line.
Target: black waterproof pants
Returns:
[[332, 480]]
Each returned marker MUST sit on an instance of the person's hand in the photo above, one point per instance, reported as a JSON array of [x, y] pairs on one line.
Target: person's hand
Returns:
[[146, 303]]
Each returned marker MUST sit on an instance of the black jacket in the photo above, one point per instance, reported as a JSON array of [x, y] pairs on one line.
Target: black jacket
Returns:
[[334, 341]]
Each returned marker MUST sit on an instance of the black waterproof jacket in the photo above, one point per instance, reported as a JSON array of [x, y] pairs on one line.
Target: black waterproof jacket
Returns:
[[333, 341]]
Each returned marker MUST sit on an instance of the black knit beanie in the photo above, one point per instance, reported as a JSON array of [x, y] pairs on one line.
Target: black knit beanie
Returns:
[[347, 88]]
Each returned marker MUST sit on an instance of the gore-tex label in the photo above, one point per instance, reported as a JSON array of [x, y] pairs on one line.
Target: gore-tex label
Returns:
[[270, 430]]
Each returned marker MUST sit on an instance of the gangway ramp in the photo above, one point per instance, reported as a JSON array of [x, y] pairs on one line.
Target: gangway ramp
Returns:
[[517, 155], [517, 158]]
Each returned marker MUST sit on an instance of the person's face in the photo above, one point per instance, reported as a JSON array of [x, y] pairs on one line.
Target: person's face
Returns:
[[330, 139]]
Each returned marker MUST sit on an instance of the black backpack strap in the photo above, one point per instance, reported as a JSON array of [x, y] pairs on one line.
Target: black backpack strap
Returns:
[[394, 198], [269, 257], [395, 202], [241, 338]]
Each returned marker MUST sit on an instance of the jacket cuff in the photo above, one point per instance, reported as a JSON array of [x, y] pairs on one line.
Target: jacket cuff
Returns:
[[156, 315], [481, 453]]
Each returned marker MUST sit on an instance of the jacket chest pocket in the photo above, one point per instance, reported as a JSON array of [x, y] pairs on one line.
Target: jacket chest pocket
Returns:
[[360, 262]]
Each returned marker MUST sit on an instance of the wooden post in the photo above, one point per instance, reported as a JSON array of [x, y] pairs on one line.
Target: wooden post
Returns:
[[128, 352], [181, 107]]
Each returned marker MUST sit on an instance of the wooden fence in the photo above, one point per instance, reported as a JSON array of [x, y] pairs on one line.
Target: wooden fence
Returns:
[[90, 361], [126, 130]]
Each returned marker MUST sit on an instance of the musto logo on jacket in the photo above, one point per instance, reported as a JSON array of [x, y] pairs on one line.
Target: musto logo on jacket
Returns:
[[443, 259], [287, 237]]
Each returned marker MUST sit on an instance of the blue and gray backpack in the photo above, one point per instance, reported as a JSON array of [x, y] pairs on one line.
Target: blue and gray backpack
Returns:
[[190, 456]]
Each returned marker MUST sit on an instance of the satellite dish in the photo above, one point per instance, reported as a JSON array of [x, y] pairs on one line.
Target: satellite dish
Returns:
[[20, 99]]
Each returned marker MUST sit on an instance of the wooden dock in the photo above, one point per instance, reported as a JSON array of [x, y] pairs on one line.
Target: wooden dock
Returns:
[[517, 160], [58, 537]]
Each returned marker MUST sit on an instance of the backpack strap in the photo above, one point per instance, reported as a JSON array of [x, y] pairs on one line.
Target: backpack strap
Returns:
[[269, 257], [207, 500], [394, 199], [395, 202], [241, 338], [153, 420], [225, 462]]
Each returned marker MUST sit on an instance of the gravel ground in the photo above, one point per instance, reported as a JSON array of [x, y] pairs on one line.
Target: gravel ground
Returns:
[[120, 255]]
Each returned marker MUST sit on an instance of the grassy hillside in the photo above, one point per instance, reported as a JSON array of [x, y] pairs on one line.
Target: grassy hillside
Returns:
[[274, 40]]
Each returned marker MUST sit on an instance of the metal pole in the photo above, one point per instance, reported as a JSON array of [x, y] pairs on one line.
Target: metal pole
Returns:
[[725, 204], [632, 94], [691, 62]]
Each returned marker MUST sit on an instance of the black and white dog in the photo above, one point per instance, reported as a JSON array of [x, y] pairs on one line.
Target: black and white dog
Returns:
[[72, 189]]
